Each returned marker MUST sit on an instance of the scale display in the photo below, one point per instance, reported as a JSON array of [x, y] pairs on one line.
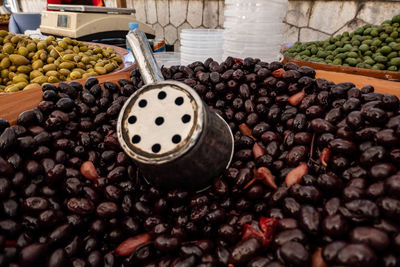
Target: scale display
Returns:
[[63, 21], [93, 9]]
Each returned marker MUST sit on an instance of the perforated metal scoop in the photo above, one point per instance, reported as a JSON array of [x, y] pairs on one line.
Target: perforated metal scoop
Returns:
[[171, 134]]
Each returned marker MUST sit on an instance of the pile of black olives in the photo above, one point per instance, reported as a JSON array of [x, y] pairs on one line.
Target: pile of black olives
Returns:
[[314, 180]]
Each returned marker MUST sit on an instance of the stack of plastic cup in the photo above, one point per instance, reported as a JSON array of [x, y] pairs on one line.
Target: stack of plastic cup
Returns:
[[253, 28], [167, 59], [200, 44]]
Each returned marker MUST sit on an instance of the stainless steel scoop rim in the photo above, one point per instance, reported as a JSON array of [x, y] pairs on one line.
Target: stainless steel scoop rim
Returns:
[[227, 165], [155, 159], [230, 157], [232, 138]]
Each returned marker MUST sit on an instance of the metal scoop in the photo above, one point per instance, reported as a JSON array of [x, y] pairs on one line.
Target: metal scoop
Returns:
[[170, 133]]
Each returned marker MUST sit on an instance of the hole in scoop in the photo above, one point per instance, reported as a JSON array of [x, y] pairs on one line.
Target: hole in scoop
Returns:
[[132, 119], [162, 95], [142, 103], [159, 120], [136, 139], [156, 148], [176, 139], [186, 118], [179, 101]]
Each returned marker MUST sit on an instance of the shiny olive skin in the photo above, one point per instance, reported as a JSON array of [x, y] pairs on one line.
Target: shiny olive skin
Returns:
[[334, 225], [295, 253], [330, 251], [289, 235], [373, 237], [357, 255], [244, 251], [345, 202]]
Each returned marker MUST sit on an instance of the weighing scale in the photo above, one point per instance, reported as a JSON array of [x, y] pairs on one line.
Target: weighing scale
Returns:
[[91, 23]]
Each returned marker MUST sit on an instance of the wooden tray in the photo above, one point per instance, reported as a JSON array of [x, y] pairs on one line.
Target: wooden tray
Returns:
[[381, 86], [4, 26], [380, 74], [11, 105]]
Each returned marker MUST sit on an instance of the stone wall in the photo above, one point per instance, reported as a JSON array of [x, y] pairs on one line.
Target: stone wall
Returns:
[[317, 20], [304, 21], [169, 17]]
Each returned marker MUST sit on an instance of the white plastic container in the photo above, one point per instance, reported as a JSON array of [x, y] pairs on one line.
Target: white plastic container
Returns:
[[229, 20], [197, 56], [256, 12], [201, 51], [257, 28], [259, 46], [167, 59], [253, 28], [200, 34], [243, 54], [192, 57], [254, 2], [253, 38], [200, 44]]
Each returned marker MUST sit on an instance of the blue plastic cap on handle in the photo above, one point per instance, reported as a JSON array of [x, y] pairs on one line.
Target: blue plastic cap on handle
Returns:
[[133, 25]]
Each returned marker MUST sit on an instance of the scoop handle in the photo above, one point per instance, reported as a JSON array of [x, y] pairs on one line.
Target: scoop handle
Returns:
[[144, 57]]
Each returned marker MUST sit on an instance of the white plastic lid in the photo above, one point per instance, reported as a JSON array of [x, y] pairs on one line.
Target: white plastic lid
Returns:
[[160, 122], [202, 31]]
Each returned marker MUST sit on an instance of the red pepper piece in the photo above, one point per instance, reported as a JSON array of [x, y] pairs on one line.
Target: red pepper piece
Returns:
[[128, 246], [265, 235], [250, 232], [89, 171], [278, 73], [245, 130], [11, 243], [295, 99], [266, 177], [238, 61], [317, 259], [325, 155], [268, 226], [80, 133], [234, 212], [294, 176], [258, 151]]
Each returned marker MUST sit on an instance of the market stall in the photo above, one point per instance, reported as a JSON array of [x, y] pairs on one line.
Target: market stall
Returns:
[[122, 157]]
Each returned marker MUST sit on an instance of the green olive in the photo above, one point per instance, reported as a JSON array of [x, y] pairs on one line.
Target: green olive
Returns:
[[23, 51], [40, 79], [34, 74], [5, 63], [11, 89], [24, 69], [53, 79], [19, 60], [376, 47], [29, 62], [49, 67], [100, 70], [18, 79], [30, 86]]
